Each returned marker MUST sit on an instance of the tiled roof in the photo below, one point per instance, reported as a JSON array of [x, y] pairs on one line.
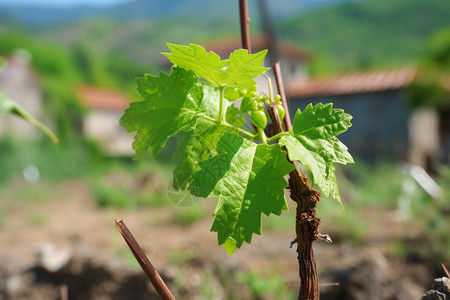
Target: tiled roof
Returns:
[[101, 98], [259, 42], [353, 83]]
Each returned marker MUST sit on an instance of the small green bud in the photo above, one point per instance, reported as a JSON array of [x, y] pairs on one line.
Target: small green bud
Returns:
[[258, 119], [277, 98], [281, 111]]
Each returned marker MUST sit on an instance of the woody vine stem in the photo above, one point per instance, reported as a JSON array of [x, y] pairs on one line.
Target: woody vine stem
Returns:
[[307, 223]]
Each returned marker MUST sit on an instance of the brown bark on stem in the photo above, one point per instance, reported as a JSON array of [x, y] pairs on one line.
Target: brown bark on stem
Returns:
[[307, 228], [307, 223], [275, 117]]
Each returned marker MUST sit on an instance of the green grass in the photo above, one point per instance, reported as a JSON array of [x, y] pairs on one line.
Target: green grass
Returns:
[[207, 289], [386, 186], [261, 287], [126, 254], [186, 216], [125, 198], [374, 185], [54, 162], [181, 257], [117, 197], [29, 193], [364, 187], [35, 218], [348, 226], [131, 186], [280, 223]]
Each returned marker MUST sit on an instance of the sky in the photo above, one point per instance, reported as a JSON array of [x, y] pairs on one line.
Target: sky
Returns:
[[61, 3]]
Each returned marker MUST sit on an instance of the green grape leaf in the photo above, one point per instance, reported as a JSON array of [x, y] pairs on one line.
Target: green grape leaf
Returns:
[[313, 143], [243, 67], [200, 144], [10, 107], [193, 147], [171, 104], [237, 72], [195, 58], [249, 180]]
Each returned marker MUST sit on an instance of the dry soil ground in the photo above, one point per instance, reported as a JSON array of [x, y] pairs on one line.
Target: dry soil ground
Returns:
[[65, 213]]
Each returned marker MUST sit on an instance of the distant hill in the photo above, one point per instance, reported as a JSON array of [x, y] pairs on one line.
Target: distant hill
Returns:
[[343, 35], [35, 17], [139, 29], [367, 34]]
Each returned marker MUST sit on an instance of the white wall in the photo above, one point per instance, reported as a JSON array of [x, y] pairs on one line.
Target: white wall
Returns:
[[104, 128]]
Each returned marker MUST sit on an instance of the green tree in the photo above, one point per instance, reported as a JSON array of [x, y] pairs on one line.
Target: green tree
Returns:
[[431, 86]]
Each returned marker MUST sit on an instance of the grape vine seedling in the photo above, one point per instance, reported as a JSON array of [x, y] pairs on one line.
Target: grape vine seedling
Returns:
[[218, 154], [10, 107]]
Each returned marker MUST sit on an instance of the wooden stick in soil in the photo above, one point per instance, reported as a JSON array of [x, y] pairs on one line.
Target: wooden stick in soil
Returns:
[[445, 270], [63, 289], [279, 81], [245, 30], [144, 262], [307, 223]]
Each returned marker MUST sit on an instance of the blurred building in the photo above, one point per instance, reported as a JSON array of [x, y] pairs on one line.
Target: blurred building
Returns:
[[384, 125], [101, 122], [19, 83]]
